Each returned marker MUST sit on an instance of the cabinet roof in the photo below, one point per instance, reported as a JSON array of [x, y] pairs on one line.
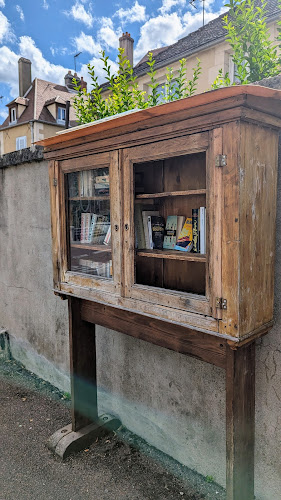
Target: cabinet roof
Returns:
[[254, 97]]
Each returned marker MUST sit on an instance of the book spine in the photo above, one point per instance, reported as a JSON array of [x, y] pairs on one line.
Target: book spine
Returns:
[[195, 230], [145, 228], [83, 221], [202, 230], [139, 229], [149, 232]]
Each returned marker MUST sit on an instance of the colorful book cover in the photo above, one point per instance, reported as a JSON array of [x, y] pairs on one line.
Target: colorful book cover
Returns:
[[195, 230], [184, 241], [157, 228], [170, 236]]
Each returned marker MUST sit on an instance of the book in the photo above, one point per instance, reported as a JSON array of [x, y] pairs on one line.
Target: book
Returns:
[[83, 228], [157, 229], [107, 238], [195, 230], [92, 227], [173, 227], [184, 242], [145, 214], [202, 230], [139, 230]]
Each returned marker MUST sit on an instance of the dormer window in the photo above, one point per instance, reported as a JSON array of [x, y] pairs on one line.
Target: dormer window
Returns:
[[13, 115], [61, 115]]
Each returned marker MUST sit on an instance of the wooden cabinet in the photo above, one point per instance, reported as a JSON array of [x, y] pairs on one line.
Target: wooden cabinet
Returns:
[[217, 150]]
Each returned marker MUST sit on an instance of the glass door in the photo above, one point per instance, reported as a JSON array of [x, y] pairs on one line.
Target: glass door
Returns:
[[168, 252]]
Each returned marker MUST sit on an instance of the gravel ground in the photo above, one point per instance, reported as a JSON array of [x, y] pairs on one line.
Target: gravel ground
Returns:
[[120, 466]]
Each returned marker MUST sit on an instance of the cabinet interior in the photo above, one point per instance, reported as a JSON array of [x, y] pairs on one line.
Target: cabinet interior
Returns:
[[172, 186]]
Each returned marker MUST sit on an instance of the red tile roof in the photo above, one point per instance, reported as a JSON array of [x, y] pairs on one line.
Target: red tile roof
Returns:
[[40, 93]]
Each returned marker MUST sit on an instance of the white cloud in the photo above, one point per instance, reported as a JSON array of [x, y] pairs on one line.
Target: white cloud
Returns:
[[158, 32], [45, 5], [2, 3], [79, 13], [41, 68], [167, 29], [86, 43], [135, 13], [20, 11], [98, 64], [5, 29], [9, 69], [167, 5], [107, 35]]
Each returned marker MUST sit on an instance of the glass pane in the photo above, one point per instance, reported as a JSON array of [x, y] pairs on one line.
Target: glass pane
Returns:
[[170, 223], [89, 222]]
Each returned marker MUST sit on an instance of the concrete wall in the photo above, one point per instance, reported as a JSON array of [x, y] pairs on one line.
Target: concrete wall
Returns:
[[36, 320], [174, 402]]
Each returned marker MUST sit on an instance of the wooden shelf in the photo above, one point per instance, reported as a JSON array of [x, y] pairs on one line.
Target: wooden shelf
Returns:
[[88, 246], [87, 198], [166, 194], [172, 255]]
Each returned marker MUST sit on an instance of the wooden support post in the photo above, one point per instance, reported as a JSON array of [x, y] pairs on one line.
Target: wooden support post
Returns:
[[240, 422], [82, 368]]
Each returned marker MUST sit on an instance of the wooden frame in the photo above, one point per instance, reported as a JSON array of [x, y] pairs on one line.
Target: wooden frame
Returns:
[[239, 125]]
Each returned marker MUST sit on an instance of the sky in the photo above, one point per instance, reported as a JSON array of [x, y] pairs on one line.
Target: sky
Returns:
[[51, 32]]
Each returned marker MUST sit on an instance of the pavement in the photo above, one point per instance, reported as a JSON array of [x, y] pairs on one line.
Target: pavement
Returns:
[[119, 466]]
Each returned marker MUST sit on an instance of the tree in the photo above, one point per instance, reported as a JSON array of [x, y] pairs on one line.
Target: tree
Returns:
[[254, 54], [124, 92]]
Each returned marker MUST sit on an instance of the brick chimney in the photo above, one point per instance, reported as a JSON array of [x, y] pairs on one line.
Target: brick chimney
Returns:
[[24, 75], [126, 42], [69, 84]]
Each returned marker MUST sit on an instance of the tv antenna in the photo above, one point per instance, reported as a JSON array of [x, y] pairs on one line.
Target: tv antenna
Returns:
[[192, 2], [75, 57]]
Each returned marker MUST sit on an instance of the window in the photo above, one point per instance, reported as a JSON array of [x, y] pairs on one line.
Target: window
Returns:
[[61, 115], [20, 143], [163, 90], [13, 115]]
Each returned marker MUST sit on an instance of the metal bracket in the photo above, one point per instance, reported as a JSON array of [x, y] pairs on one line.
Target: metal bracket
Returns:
[[221, 160], [221, 303]]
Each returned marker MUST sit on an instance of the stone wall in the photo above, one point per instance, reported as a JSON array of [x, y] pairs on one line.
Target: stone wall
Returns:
[[174, 402]]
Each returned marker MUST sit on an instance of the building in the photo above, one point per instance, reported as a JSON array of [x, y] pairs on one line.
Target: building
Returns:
[[40, 110], [207, 43]]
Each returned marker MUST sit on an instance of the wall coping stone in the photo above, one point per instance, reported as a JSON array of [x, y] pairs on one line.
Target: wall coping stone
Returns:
[[27, 155]]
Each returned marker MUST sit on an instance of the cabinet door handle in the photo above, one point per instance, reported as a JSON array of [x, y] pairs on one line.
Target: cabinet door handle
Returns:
[[116, 227], [126, 227]]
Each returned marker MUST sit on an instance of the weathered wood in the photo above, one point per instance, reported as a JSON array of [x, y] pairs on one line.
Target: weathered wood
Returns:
[[214, 220], [230, 229], [257, 210], [179, 339], [186, 317], [55, 222], [209, 101], [82, 368], [191, 192], [172, 255], [240, 422]]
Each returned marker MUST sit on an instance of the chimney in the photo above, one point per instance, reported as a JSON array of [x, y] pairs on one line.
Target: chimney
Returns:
[[68, 79], [24, 75], [126, 42], [83, 84]]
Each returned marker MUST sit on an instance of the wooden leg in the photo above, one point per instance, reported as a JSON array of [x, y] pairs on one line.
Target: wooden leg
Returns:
[[240, 422], [82, 368]]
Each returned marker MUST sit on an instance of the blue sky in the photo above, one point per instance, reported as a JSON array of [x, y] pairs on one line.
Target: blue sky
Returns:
[[50, 32]]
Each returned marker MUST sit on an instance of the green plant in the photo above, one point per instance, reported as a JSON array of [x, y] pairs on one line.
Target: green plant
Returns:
[[209, 479], [254, 54], [124, 92]]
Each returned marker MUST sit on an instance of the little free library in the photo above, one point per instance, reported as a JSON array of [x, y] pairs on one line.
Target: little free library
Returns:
[[158, 224]]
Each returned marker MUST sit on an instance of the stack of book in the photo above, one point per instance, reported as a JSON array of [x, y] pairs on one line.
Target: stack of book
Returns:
[[102, 185], [87, 183], [178, 232], [89, 266], [94, 229]]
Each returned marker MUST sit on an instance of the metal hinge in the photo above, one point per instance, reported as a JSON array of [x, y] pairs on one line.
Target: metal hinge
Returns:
[[221, 160], [221, 303], [55, 182]]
